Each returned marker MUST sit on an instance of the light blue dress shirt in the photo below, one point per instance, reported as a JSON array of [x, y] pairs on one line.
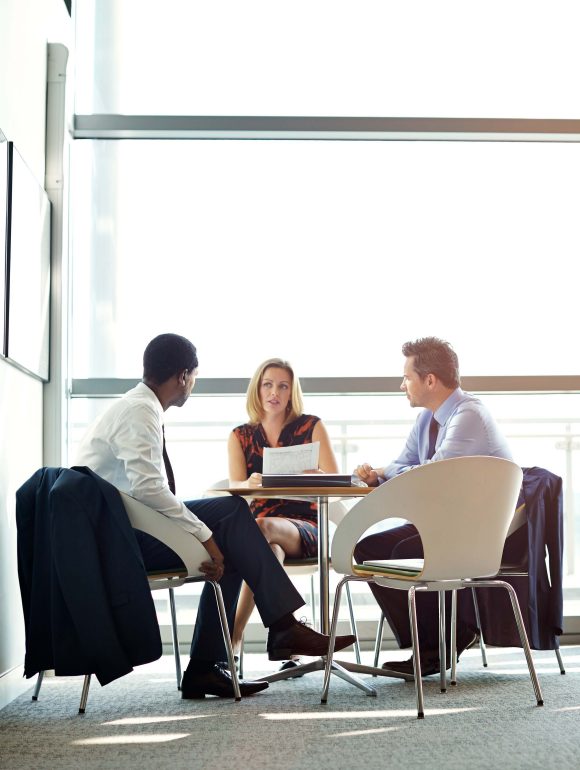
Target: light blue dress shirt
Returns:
[[466, 428]]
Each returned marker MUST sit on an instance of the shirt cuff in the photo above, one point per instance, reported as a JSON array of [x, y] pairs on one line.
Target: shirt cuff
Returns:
[[203, 533]]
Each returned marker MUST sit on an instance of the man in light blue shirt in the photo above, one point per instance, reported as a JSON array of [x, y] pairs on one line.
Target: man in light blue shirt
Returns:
[[464, 428], [452, 424]]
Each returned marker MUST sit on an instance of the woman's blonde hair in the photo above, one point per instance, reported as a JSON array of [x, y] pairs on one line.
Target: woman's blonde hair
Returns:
[[253, 402]]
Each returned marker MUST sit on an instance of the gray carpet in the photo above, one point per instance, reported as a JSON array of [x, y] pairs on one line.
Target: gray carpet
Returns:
[[489, 721]]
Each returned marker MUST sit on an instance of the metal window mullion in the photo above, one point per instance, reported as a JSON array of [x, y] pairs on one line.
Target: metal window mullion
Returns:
[[100, 126]]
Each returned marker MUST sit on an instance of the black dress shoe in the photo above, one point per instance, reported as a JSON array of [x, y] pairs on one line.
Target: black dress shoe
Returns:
[[226, 666], [218, 682], [429, 659], [298, 639], [288, 665]]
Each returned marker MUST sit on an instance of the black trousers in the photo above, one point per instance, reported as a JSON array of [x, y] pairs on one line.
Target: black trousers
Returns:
[[247, 556], [404, 543]]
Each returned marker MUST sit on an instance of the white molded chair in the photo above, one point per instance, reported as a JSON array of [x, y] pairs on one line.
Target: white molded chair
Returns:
[[518, 521], [466, 501], [192, 554]]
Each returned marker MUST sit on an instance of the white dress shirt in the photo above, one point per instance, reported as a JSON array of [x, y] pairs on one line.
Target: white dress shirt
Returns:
[[125, 447]]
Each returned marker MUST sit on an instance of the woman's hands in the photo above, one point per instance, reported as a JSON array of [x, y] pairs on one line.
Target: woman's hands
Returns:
[[255, 480]]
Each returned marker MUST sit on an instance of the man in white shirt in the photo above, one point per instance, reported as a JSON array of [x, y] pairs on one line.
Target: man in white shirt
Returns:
[[452, 423], [126, 447]]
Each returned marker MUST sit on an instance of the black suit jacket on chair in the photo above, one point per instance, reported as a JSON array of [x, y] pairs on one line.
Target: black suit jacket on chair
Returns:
[[87, 604], [540, 594]]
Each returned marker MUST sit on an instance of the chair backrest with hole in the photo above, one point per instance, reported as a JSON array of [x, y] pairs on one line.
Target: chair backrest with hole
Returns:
[[462, 508], [186, 546]]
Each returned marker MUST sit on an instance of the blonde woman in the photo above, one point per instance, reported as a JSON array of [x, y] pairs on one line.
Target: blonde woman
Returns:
[[275, 409]]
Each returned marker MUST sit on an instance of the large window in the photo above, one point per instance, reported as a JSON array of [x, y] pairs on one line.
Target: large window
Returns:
[[331, 253], [328, 253]]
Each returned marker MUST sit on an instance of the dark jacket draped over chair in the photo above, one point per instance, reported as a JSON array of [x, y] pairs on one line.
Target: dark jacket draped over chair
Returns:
[[86, 600], [540, 593]]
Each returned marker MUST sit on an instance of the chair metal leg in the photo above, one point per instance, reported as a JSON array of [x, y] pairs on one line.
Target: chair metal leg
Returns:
[[521, 630], [174, 637], [333, 627], [85, 694], [442, 644], [241, 656], [453, 651], [353, 624], [479, 629], [37, 685], [227, 640], [558, 658], [482, 643], [335, 668], [525, 643], [416, 656], [379, 640], [313, 600]]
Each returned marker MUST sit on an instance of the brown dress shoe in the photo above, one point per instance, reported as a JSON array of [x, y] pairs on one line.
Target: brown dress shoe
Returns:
[[298, 639], [428, 666]]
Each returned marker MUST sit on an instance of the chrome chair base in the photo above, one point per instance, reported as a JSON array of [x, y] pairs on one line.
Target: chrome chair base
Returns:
[[412, 590], [481, 641]]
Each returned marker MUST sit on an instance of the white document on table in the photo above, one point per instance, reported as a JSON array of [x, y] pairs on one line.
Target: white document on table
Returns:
[[291, 459]]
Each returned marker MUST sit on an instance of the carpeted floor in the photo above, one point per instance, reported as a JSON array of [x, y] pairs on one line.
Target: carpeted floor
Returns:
[[489, 721]]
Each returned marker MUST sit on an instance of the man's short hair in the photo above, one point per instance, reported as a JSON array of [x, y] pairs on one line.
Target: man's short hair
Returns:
[[434, 356], [166, 356]]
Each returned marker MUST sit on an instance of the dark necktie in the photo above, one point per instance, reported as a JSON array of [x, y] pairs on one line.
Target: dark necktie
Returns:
[[168, 468], [433, 431]]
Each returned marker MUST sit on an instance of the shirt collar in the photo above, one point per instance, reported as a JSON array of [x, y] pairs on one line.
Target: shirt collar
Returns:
[[147, 393], [443, 413]]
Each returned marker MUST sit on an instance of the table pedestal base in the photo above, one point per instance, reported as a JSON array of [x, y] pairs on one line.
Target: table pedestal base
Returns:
[[343, 669]]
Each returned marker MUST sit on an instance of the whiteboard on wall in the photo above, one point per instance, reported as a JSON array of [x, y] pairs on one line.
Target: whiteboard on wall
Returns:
[[27, 269]]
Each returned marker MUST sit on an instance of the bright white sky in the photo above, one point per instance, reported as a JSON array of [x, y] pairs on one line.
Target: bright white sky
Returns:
[[450, 58], [330, 254]]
